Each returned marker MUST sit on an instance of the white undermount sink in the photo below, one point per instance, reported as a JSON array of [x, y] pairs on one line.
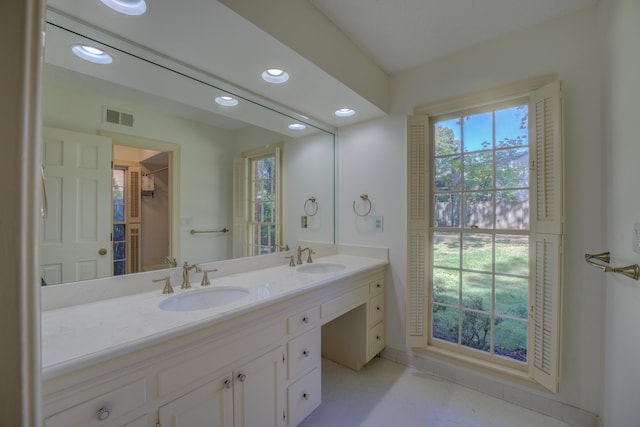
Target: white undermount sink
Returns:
[[202, 299], [321, 267]]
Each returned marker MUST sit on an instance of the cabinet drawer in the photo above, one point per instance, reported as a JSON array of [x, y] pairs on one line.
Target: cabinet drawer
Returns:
[[376, 340], [376, 309], [376, 286], [303, 396], [303, 320], [109, 406], [340, 305], [303, 353]]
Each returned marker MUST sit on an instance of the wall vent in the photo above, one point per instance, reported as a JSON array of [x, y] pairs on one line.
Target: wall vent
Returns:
[[111, 115]]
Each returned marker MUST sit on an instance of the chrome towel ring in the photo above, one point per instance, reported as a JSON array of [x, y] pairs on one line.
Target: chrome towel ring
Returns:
[[365, 200], [311, 206]]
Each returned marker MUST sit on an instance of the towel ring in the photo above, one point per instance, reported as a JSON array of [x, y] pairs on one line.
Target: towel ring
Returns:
[[365, 199], [311, 206]]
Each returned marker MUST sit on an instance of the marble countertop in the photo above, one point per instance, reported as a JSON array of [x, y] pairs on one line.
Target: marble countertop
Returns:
[[82, 335]]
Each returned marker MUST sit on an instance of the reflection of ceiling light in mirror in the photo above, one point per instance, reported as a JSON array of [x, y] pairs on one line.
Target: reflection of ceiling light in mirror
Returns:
[[345, 112], [127, 7], [226, 101], [92, 54], [275, 75], [297, 126]]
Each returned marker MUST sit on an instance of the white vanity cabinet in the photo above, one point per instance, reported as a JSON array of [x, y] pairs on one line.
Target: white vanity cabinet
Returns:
[[259, 368], [250, 395]]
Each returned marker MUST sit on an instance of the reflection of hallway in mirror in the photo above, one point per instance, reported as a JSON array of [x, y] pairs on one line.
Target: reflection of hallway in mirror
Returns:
[[141, 227], [155, 211]]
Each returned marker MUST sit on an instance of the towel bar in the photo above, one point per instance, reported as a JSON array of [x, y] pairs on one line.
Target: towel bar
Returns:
[[631, 271]]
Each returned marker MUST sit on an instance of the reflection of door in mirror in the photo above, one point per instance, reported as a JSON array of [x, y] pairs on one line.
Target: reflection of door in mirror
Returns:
[[141, 211], [74, 242]]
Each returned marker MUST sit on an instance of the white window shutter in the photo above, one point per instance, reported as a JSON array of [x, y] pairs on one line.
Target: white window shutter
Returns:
[[548, 159], [133, 195], [240, 207], [418, 230], [545, 315], [547, 225]]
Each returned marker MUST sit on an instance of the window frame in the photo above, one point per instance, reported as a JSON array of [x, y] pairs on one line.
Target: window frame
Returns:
[[547, 223]]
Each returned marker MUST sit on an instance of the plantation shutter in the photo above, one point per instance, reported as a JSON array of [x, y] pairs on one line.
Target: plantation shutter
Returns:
[[240, 207], [133, 194], [545, 292], [418, 230]]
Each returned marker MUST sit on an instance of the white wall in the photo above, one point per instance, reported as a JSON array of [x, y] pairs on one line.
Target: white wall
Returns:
[[621, 59], [372, 160]]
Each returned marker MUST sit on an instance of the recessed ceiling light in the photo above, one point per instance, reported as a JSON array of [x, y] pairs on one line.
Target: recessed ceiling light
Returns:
[[345, 112], [297, 126], [127, 7], [92, 54], [226, 101], [275, 75]]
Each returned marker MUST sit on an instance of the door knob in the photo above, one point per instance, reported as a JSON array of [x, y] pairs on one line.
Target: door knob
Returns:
[[102, 251]]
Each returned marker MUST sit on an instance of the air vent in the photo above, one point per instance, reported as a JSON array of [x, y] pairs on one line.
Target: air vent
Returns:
[[117, 117]]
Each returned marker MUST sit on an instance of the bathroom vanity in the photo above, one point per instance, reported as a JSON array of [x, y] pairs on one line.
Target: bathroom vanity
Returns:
[[253, 362]]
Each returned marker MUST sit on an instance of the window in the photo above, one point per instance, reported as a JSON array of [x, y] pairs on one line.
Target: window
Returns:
[[485, 227], [257, 207], [126, 220]]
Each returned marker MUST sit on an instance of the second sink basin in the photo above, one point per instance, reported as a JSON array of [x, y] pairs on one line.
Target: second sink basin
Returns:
[[203, 299], [321, 267]]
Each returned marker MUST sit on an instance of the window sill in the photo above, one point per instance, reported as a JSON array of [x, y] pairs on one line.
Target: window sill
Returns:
[[481, 366]]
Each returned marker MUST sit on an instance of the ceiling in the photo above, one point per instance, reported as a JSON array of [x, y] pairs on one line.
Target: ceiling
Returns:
[[392, 35], [401, 34]]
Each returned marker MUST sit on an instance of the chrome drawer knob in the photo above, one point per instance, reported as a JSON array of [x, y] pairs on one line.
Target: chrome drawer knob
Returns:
[[305, 353], [305, 319], [305, 396], [103, 413], [242, 378], [227, 383]]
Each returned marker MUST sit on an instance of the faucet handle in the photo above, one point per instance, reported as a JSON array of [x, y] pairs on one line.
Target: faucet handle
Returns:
[[205, 277], [167, 284], [290, 258]]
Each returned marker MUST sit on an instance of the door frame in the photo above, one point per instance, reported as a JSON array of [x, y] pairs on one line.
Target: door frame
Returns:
[[174, 178]]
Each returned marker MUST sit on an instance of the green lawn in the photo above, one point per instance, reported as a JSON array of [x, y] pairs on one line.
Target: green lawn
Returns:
[[454, 286]]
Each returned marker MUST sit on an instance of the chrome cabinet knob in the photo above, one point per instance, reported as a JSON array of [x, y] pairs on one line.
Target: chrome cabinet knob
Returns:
[[305, 353], [305, 396], [305, 320], [378, 308], [103, 413], [227, 383], [242, 377]]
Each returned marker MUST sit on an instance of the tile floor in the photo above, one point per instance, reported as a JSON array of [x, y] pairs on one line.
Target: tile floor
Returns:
[[387, 394]]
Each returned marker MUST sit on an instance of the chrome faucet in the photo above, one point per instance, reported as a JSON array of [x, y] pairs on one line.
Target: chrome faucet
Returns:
[[280, 247], [300, 250], [186, 284]]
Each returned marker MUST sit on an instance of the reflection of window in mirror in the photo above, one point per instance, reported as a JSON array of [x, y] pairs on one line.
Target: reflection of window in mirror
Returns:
[[126, 220], [257, 201]]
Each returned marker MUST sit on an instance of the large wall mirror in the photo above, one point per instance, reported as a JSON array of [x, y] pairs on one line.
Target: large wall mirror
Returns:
[[141, 165]]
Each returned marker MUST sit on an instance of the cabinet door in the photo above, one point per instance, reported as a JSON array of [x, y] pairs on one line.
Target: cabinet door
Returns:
[[258, 391], [208, 406]]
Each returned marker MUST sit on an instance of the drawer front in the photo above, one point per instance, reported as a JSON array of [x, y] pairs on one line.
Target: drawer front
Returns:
[[376, 310], [303, 353], [188, 371], [139, 422], [340, 305], [102, 409], [376, 340], [303, 320], [376, 286], [303, 396]]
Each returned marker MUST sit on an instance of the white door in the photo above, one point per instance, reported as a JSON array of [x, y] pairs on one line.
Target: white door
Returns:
[[208, 406], [75, 236], [258, 395]]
